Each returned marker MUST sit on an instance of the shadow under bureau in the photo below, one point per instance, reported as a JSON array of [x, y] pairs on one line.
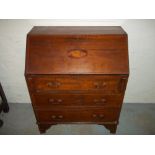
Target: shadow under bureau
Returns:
[[77, 74]]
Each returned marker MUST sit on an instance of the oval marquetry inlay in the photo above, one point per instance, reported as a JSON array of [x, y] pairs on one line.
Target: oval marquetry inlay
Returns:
[[77, 53]]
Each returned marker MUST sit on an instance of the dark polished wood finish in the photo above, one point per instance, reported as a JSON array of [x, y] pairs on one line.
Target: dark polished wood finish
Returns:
[[77, 74]]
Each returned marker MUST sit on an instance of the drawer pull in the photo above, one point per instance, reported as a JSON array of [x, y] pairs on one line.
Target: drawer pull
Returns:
[[58, 83], [55, 101], [99, 85], [51, 100], [53, 84], [59, 100], [96, 84], [95, 100], [100, 116], [60, 116], [57, 117], [50, 84], [53, 116], [94, 116], [103, 100], [100, 101]]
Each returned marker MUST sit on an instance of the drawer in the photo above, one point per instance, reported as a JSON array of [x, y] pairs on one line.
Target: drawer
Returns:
[[77, 115], [50, 100], [106, 84]]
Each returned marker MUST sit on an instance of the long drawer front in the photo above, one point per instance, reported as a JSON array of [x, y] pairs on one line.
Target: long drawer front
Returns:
[[52, 100], [104, 84], [77, 115]]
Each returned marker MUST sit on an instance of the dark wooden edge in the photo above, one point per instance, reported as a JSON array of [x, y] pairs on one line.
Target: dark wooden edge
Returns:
[[78, 34], [111, 126], [100, 123], [75, 74], [29, 86]]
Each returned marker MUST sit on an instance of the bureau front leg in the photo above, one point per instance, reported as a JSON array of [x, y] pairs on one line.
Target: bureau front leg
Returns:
[[111, 127], [44, 127]]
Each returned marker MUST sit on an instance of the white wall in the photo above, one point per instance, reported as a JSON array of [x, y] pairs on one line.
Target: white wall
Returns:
[[141, 33]]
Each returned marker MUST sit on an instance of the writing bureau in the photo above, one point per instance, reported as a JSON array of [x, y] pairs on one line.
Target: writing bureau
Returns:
[[77, 74]]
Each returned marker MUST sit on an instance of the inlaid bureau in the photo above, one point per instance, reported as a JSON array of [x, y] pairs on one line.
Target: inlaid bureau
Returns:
[[77, 74]]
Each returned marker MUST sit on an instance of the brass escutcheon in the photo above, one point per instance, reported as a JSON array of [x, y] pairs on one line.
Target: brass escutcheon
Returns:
[[77, 53]]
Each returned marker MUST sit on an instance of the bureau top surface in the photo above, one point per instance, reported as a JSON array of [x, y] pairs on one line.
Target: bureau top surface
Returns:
[[77, 50], [77, 30]]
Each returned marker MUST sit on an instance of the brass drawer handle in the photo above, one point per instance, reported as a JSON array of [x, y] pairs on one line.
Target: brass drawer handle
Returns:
[[100, 101], [95, 100], [59, 100], [58, 83], [53, 116], [50, 84], [53, 101], [94, 116], [57, 117], [100, 116], [60, 116], [99, 85], [103, 100], [53, 84]]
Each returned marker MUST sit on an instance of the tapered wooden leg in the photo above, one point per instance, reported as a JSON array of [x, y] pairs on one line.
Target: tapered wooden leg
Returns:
[[44, 127], [111, 127]]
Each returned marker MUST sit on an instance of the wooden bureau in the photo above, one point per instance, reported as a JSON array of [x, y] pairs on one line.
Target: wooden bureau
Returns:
[[77, 74]]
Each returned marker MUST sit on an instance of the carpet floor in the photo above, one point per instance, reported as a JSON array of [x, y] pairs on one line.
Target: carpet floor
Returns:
[[135, 119]]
